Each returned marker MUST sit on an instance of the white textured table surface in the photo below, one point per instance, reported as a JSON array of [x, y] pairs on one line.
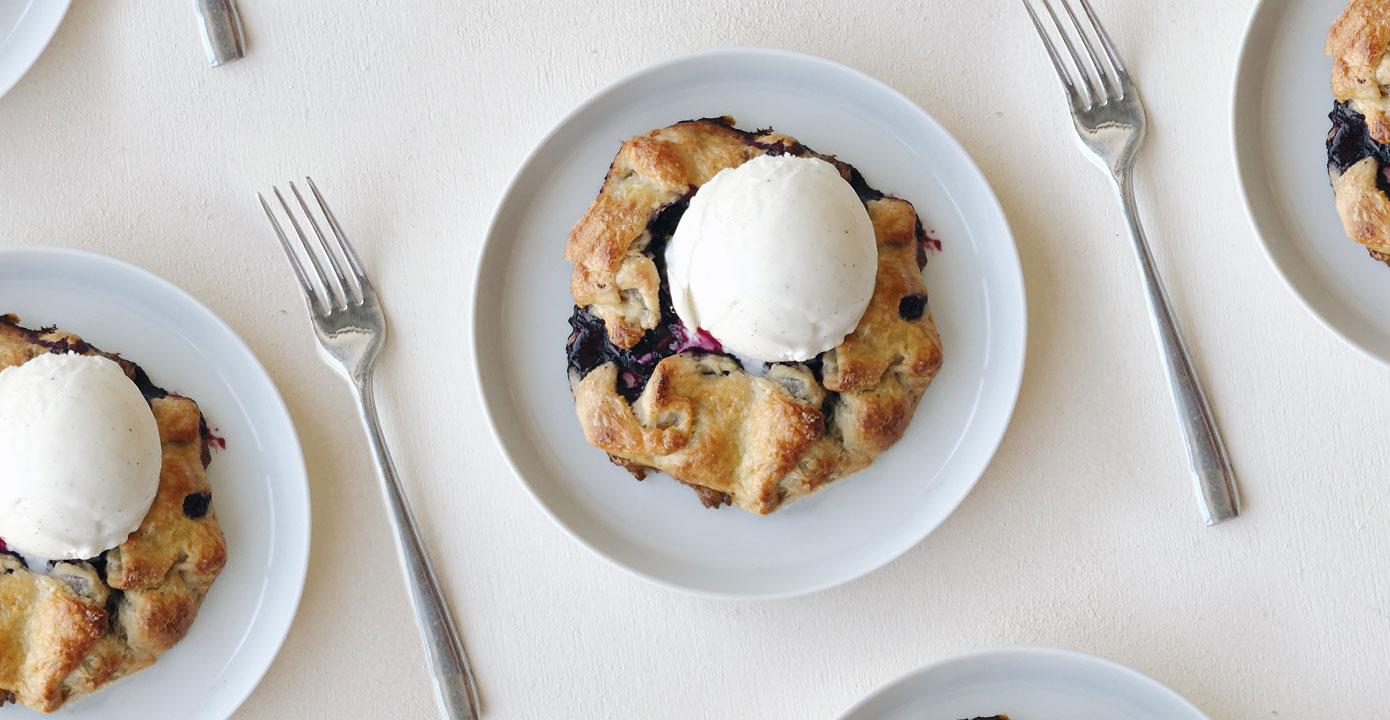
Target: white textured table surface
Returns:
[[1082, 534]]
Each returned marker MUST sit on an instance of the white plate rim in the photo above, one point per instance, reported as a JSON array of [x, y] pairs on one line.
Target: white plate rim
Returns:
[[1035, 651], [1012, 263], [43, 17], [278, 633], [1240, 159]]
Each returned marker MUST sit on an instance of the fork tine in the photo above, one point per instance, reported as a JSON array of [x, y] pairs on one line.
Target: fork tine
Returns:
[[1089, 91], [1062, 73], [329, 295], [341, 277], [341, 237], [1106, 83], [1109, 47], [309, 293]]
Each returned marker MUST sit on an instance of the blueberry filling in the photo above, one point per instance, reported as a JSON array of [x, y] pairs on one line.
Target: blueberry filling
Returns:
[[98, 564], [782, 147], [1350, 142], [64, 345], [912, 306], [113, 600], [861, 186], [195, 505], [589, 347], [206, 436], [925, 242]]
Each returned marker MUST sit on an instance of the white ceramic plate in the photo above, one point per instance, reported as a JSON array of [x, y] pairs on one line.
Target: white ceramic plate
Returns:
[[258, 482], [1281, 100], [1025, 683], [657, 528], [26, 26]]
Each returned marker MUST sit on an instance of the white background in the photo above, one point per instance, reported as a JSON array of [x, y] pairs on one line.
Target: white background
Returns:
[[1082, 534]]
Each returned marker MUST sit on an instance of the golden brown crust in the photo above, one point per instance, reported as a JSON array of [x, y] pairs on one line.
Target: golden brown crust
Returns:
[[759, 442], [1364, 209], [882, 340], [704, 421], [1361, 69], [75, 630]]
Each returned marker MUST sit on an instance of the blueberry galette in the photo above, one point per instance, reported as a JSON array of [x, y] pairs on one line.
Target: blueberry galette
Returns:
[[75, 626], [1358, 146], [657, 395]]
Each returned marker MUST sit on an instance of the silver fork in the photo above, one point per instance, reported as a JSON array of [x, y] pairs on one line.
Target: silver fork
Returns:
[[1110, 121], [351, 327]]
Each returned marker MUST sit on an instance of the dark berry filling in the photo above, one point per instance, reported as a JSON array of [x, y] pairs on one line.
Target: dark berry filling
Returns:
[[113, 601], [195, 505], [912, 306], [98, 564], [206, 436], [4, 549], [1350, 142], [782, 147], [925, 243]]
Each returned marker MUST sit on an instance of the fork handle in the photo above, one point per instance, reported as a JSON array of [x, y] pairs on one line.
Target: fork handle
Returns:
[[1211, 467], [455, 688]]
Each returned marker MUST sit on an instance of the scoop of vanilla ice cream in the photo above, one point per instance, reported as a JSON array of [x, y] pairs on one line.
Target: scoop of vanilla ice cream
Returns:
[[775, 258], [79, 456]]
